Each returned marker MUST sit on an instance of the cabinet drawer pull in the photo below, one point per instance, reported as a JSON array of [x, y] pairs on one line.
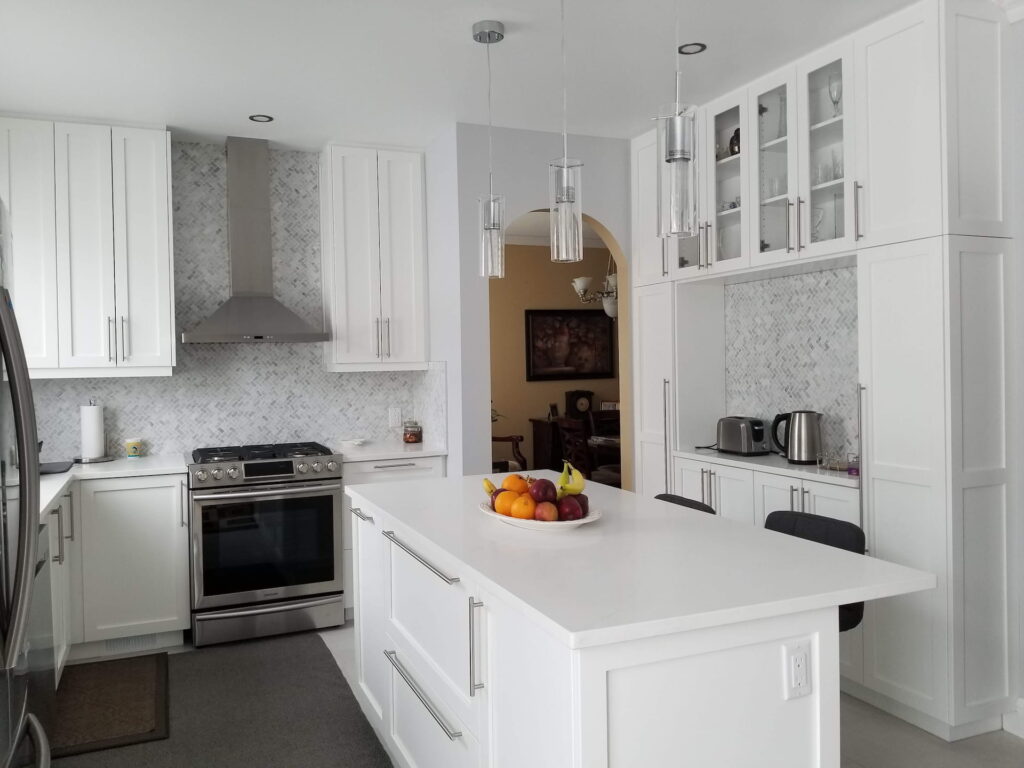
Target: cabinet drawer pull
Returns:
[[422, 560], [452, 734], [110, 342], [803, 500], [664, 259], [361, 515], [474, 686], [799, 226], [59, 512], [377, 340], [71, 515], [857, 187], [792, 501], [395, 466], [789, 235]]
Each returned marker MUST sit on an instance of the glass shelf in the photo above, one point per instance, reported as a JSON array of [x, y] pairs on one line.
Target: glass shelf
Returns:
[[726, 160], [783, 198], [729, 211], [826, 123], [827, 184], [779, 143]]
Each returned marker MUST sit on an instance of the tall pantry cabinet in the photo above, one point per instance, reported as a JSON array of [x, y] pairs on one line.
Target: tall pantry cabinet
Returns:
[[916, 152]]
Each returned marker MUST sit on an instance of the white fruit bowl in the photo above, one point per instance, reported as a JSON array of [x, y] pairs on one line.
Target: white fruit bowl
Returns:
[[541, 525]]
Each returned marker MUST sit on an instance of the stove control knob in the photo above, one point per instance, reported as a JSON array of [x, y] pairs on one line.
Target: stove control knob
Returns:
[[302, 468], [317, 466], [232, 472], [201, 475], [217, 474], [332, 466]]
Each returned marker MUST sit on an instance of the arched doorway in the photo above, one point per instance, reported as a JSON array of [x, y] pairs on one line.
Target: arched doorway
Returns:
[[521, 399]]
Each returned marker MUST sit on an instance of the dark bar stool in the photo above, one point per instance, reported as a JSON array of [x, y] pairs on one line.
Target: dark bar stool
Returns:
[[682, 501], [832, 533]]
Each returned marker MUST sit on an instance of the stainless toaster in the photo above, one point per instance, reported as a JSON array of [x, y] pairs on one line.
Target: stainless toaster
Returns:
[[743, 435]]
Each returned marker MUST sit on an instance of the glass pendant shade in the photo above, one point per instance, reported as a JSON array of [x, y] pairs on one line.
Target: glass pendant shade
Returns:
[[566, 210], [677, 172], [492, 236]]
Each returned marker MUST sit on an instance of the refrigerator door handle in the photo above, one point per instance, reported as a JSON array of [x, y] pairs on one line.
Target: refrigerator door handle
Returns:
[[28, 478], [31, 727]]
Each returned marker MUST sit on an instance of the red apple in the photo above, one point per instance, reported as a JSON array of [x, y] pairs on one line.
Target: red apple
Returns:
[[569, 509], [546, 511], [584, 503], [543, 490]]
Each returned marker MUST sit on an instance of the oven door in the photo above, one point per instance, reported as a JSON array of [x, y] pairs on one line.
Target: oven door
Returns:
[[275, 542]]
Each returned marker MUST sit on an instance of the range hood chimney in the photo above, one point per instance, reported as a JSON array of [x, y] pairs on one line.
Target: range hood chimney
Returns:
[[251, 314]]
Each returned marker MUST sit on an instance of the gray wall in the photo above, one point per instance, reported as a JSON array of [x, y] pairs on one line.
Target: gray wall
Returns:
[[791, 344], [230, 393]]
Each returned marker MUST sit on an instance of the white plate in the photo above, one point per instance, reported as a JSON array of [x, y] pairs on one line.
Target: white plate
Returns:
[[541, 525]]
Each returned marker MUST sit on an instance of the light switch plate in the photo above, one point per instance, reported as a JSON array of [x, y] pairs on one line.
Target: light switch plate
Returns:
[[796, 669]]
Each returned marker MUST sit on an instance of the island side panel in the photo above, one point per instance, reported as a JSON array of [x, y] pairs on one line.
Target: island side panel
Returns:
[[712, 697]]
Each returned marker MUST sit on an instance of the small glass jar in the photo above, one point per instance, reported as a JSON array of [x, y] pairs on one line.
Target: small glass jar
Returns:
[[412, 432]]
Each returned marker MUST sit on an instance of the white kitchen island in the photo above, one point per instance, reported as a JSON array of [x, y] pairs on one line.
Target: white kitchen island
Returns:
[[656, 636]]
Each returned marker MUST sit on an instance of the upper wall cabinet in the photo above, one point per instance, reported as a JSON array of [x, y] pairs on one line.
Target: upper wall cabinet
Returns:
[[30, 271], [90, 271], [374, 259], [893, 134]]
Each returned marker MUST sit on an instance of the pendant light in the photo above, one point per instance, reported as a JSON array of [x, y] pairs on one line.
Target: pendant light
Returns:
[[492, 206], [564, 189], [677, 157]]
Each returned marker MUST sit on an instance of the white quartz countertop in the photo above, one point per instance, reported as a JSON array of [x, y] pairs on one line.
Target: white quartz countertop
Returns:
[[386, 450], [53, 486], [773, 464], [646, 568]]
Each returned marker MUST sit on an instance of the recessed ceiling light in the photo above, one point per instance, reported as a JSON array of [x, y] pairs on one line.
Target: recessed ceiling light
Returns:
[[269, 119], [689, 49]]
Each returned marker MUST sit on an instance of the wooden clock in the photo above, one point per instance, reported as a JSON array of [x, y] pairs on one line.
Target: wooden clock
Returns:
[[578, 403]]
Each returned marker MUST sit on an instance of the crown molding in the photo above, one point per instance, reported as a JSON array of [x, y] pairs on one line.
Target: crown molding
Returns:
[[1014, 9]]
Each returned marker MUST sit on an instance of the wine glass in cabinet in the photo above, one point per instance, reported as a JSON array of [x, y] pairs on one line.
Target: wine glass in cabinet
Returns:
[[724, 233], [825, 206], [774, 170]]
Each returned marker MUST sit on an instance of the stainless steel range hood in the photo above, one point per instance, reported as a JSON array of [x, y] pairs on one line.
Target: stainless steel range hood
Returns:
[[251, 314]]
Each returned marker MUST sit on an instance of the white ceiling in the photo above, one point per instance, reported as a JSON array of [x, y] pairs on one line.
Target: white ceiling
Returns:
[[388, 71]]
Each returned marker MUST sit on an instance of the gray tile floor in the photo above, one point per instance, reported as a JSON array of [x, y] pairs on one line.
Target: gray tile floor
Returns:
[[871, 738]]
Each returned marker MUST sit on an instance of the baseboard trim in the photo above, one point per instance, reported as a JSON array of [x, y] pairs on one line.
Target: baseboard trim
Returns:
[[932, 725], [1014, 721], [121, 648]]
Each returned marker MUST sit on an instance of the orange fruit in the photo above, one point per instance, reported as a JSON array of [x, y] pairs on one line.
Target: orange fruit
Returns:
[[515, 483], [524, 507], [503, 504]]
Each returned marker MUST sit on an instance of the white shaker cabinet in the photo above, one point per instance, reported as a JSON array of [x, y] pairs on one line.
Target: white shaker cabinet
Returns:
[[85, 246], [728, 490], [135, 556], [652, 386], [781, 492], [60, 584], [369, 589], [374, 259], [90, 276], [27, 189]]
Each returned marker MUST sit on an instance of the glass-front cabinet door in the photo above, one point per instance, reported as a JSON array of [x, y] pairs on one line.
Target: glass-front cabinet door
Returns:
[[825, 204], [725, 235], [774, 171]]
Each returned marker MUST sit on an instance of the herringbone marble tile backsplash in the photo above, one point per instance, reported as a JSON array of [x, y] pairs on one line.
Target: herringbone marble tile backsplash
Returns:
[[791, 344], [241, 393]]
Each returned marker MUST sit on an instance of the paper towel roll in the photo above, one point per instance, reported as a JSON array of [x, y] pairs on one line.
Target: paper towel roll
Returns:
[[94, 444]]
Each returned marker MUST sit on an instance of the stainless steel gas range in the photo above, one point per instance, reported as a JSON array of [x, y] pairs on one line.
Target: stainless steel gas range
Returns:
[[266, 540]]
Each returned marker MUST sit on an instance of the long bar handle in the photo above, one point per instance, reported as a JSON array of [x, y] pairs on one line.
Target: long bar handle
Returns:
[[707, 245], [34, 729], [711, 489], [450, 732], [422, 560], [395, 466], [126, 347], [111, 346], [362, 515], [703, 497], [700, 246], [861, 389], [857, 187], [59, 512], [267, 494], [377, 348], [792, 501], [804, 495], [474, 686], [184, 505], [789, 233], [799, 225], [71, 515], [664, 258], [387, 334], [668, 450]]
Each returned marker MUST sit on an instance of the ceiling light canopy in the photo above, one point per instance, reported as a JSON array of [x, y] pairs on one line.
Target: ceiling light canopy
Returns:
[[257, 118]]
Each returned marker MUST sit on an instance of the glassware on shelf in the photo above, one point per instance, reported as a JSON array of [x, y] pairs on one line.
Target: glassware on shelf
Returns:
[[819, 217], [835, 92], [822, 173], [837, 164]]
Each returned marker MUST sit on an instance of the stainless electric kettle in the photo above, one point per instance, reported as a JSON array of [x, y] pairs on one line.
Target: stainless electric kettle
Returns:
[[802, 440]]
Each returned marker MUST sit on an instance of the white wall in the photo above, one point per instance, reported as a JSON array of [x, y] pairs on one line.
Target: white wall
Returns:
[[456, 176]]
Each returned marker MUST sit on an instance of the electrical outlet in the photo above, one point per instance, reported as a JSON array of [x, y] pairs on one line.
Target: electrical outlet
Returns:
[[796, 665], [394, 417]]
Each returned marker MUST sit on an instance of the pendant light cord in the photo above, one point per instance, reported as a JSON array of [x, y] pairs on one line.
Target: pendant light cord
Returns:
[[565, 98], [490, 129], [677, 61]]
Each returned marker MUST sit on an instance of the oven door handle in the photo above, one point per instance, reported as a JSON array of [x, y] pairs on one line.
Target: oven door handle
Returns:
[[265, 494], [276, 608]]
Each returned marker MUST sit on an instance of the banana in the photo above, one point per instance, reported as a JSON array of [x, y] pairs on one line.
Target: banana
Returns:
[[571, 482], [489, 487]]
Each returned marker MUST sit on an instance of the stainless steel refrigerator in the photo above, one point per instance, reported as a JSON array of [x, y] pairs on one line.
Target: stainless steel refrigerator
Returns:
[[26, 677]]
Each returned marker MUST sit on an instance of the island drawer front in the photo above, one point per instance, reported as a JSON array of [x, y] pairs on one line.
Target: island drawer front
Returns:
[[424, 741], [429, 620]]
